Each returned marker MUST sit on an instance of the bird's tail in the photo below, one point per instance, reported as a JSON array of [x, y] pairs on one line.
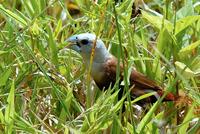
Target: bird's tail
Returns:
[[168, 97]]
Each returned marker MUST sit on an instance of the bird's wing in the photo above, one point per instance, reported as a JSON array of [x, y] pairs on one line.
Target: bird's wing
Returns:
[[136, 78], [139, 80], [140, 83], [143, 85]]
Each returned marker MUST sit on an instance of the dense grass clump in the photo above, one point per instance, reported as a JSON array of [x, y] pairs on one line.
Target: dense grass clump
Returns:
[[44, 87]]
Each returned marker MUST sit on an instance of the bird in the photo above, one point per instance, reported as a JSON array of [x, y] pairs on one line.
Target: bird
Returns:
[[104, 65]]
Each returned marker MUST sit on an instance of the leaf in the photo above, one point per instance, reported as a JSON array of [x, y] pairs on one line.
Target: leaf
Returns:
[[195, 65], [10, 109], [118, 105], [53, 47], [58, 28], [197, 6], [157, 122], [157, 21], [186, 10], [24, 124], [188, 49], [147, 118], [166, 44], [85, 125], [125, 10], [185, 71], [14, 16], [4, 77], [28, 7], [35, 29], [185, 22], [3, 52], [65, 113], [130, 127], [35, 5], [195, 128], [186, 121], [143, 97], [104, 124], [1, 117]]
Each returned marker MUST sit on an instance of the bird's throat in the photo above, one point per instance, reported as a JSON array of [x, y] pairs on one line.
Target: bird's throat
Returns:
[[97, 66]]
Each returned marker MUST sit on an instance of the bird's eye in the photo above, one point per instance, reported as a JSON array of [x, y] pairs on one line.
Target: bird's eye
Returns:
[[84, 42]]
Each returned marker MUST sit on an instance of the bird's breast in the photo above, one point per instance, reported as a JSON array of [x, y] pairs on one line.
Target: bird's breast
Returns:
[[97, 71], [104, 74]]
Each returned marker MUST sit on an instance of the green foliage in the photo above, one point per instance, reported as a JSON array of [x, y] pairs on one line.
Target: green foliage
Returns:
[[43, 85]]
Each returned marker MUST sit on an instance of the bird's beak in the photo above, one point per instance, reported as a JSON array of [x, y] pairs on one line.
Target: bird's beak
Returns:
[[73, 38], [73, 43]]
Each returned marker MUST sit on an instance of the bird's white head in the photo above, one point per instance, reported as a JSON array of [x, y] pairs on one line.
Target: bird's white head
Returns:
[[85, 42]]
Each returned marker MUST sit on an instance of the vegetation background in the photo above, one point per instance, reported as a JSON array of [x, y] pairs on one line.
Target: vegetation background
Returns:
[[43, 85]]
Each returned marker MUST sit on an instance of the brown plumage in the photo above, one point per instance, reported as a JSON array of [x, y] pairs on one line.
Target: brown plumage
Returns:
[[139, 83]]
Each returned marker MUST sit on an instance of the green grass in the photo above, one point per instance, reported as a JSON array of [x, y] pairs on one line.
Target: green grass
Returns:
[[45, 88]]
